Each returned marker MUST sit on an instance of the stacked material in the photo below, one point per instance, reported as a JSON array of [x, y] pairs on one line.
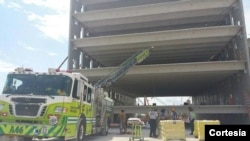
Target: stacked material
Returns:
[[172, 130], [201, 127]]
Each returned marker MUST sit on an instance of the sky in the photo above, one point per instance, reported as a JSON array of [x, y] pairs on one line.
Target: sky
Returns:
[[34, 34]]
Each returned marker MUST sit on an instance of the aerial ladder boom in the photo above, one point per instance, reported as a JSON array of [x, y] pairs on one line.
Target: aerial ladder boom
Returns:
[[123, 68]]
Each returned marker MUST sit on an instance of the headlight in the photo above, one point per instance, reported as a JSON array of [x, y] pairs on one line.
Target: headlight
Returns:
[[60, 110], [53, 120], [1, 106]]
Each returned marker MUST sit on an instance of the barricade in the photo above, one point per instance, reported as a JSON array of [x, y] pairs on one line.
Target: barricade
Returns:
[[201, 127], [195, 133], [172, 130]]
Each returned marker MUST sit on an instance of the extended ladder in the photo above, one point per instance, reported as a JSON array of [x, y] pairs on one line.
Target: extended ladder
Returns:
[[123, 68]]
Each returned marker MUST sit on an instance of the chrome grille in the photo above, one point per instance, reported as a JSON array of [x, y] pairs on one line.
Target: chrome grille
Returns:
[[28, 100], [26, 109]]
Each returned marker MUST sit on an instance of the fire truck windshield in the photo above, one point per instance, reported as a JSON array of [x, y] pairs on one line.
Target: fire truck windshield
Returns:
[[38, 84]]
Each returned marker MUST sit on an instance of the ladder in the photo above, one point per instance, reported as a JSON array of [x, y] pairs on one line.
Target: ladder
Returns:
[[123, 68]]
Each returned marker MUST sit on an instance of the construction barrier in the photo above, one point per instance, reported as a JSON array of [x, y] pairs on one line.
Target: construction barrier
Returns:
[[172, 130], [201, 127], [195, 133]]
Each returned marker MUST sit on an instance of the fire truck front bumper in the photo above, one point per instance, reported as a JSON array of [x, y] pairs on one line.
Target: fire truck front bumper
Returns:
[[35, 131]]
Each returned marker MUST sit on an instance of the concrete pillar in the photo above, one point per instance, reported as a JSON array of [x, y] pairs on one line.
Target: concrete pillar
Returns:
[[91, 64], [74, 32], [85, 61], [242, 37]]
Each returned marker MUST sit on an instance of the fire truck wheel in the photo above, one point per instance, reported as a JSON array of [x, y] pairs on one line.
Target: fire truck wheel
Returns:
[[81, 129]]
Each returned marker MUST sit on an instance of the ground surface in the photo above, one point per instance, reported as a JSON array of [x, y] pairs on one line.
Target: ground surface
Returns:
[[115, 136]]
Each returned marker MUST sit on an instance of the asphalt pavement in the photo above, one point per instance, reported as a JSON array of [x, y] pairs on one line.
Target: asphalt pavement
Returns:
[[115, 136]]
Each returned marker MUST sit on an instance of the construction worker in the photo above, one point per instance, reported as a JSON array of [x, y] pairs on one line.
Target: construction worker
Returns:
[[174, 114], [122, 122], [192, 118], [153, 115], [163, 114]]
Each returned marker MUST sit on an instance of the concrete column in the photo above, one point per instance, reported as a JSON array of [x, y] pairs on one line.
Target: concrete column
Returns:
[[91, 64], [231, 20], [85, 61], [239, 19], [74, 32]]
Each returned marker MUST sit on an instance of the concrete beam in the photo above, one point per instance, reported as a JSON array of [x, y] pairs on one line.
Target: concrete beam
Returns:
[[173, 37], [185, 22], [170, 69], [181, 79], [162, 49], [199, 109], [91, 2], [152, 12]]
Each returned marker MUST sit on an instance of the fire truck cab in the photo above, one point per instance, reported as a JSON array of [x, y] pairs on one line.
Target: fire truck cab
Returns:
[[52, 105]]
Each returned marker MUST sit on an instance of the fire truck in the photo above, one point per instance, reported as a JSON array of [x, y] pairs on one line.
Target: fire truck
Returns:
[[58, 105], [52, 105]]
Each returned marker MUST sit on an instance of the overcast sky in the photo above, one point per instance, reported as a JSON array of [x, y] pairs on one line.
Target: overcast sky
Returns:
[[34, 34]]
